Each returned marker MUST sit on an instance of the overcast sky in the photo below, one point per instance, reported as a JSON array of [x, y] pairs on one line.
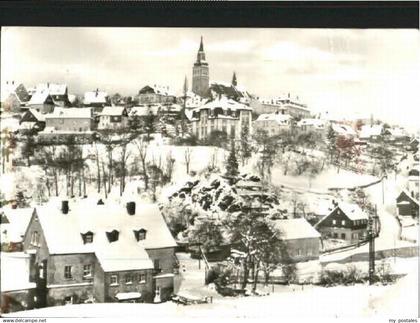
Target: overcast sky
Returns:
[[345, 72]]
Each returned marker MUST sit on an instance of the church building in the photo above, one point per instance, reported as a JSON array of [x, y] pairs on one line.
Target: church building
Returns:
[[200, 79]]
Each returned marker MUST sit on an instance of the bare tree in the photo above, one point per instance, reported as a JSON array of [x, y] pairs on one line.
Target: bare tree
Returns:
[[170, 163], [142, 147], [187, 157]]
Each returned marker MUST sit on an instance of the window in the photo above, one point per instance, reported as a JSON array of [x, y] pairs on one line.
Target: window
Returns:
[[87, 237], [128, 279], [142, 278], [35, 239], [67, 272], [156, 264], [343, 236], [334, 222], [112, 236], [87, 271], [68, 300], [140, 234], [335, 235], [114, 280], [343, 222], [299, 252]]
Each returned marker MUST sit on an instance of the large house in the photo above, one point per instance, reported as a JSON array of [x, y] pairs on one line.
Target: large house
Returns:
[[221, 114], [273, 123], [41, 101], [284, 104], [408, 200], [58, 93], [69, 120], [156, 94], [32, 119], [13, 96], [96, 252], [346, 221], [113, 118], [319, 126], [95, 99], [301, 239]]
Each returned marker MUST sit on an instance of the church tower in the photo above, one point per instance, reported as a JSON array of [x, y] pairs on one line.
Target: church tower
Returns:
[[200, 78]]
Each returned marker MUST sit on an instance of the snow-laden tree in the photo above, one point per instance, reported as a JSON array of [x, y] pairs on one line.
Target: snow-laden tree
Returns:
[[232, 162], [207, 233]]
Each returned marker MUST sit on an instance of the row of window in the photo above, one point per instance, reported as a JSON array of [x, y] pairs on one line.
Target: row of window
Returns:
[[114, 235], [128, 279], [301, 252], [343, 222], [87, 271]]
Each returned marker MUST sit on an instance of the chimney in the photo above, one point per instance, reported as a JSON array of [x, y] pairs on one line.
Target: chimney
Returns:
[[334, 203], [96, 92], [65, 207], [288, 95], [131, 208], [13, 82], [7, 82]]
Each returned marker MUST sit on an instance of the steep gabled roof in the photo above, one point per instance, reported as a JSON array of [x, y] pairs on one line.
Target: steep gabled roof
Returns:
[[52, 88], [407, 194], [40, 97], [98, 97], [352, 211]]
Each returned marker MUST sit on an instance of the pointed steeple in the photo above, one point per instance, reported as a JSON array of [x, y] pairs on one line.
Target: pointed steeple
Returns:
[[234, 81], [201, 49]]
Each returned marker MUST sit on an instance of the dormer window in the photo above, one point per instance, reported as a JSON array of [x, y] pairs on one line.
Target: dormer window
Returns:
[[140, 234], [87, 237], [112, 236]]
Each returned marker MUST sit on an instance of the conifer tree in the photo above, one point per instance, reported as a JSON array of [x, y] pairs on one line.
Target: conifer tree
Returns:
[[232, 162]]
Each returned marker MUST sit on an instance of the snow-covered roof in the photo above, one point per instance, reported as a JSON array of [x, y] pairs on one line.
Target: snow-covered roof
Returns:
[[343, 129], [18, 223], [95, 97], [73, 113], [317, 123], [52, 88], [63, 232], [112, 111], [15, 272], [398, 132], [144, 110], [352, 211], [38, 115], [281, 119], [416, 201], [223, 103], [39, 97], [290, 229], [368, 131]]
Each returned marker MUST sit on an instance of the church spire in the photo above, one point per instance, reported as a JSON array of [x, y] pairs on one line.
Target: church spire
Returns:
[[201, 45], [201, 56], [234, 81]]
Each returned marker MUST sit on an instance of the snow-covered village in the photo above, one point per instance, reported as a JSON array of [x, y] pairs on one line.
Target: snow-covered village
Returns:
[[163, 192]]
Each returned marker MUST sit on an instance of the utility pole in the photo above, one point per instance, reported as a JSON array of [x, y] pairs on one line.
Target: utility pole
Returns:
[[371, 235]]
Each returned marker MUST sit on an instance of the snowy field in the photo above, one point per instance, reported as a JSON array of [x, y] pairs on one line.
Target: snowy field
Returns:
[[344, 302]]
